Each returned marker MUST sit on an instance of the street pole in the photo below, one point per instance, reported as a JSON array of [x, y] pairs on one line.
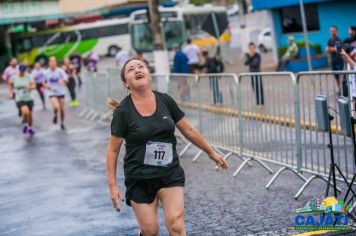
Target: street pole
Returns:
[[305, 33], [217, 33], [242, 20], [160, 55]]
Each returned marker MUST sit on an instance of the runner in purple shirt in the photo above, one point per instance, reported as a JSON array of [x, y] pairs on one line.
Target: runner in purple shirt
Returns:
[[11, 70], [38, 74]]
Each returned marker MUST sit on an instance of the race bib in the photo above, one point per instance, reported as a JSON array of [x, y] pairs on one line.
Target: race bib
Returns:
[[158, 154], [54, 89], [23, 92]]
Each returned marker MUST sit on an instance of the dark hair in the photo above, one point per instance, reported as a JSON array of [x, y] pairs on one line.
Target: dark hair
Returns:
[[251, 44], [334, 26], [189, 41]]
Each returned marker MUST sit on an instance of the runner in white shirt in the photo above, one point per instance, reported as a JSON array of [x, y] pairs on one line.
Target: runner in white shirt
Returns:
[[56, 80], [193, 53], [121, 57], [38, 74]]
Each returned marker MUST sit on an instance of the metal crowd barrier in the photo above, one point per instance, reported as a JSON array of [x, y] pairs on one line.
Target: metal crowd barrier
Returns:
[[315, 153], [262, 117], [95, 95], [218, 120], [269, 121], [184, 90]]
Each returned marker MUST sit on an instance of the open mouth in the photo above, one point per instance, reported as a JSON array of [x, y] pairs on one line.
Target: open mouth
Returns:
[[139, 76]]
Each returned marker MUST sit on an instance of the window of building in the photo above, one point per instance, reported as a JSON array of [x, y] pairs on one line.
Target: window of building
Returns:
[[292, 21]]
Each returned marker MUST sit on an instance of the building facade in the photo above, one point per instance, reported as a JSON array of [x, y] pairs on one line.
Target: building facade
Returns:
[[285, 19]]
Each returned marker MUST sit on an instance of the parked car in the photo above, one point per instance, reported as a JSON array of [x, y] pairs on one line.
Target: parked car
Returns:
[[264, 40]]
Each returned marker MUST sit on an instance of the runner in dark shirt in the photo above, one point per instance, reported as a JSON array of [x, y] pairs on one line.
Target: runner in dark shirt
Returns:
[[76, 60], [146, 120]]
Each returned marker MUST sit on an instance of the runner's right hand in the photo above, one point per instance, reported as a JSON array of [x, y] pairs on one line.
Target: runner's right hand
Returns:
[[116, 197]]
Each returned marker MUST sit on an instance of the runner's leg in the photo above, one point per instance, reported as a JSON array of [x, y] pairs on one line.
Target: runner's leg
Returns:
[[55, 107], [147, 218], [172, 200], [61, 109]]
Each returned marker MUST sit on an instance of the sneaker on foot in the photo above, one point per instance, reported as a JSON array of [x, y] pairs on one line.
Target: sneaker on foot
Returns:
[[54, 119], [63, 127], [76, 103], [31, 132], [24, 129], [72, 103]]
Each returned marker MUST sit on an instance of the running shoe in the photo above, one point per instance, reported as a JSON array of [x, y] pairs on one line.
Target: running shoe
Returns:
[[54, 119], [63, 127], [24, 129], [31, 132], [74, 103]]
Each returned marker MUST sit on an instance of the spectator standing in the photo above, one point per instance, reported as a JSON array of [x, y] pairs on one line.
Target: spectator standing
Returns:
[[193, 53], [253, 60], [337, 63], [180, 65], [213, 65]]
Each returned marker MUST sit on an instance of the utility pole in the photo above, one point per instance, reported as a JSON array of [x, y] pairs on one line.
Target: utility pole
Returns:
[[305, 33], [160, 54], [155, 24]]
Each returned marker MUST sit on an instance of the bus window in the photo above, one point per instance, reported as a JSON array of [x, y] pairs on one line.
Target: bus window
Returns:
[[70, 36], [89, 33], [39, 41], [57, 38], [173, 33], [141, 37], [26, 45], [113, 30], [193, 23]]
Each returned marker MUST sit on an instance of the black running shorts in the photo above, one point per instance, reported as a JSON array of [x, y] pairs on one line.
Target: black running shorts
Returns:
[[20, 104], [145, 190]]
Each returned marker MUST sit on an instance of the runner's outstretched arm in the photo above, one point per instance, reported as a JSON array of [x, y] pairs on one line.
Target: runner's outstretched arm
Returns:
[[193, 135]]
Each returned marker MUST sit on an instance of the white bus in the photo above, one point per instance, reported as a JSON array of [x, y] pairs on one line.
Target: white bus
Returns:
[[179, 23], [103, 37]]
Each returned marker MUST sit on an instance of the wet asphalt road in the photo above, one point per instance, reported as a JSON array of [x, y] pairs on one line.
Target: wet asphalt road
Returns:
[[55, 184]]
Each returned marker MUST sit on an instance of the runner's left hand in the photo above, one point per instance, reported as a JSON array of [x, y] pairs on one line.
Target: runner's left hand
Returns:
[[219, 160]]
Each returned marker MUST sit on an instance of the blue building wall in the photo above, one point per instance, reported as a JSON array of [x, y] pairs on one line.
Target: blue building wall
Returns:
[[268, 4], [341, 13]]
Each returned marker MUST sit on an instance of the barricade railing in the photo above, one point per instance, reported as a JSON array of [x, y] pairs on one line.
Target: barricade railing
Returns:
[[219, 123], [269, 121], [95, 95], [184, 90], [262, 117], [314, 143]]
